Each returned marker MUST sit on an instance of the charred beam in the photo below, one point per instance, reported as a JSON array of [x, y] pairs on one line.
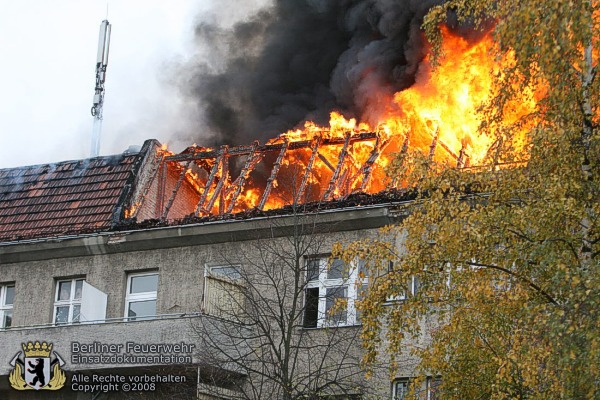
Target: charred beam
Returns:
[[211, 178], [403, 152], [162, 183], [344, 181], [334, 178], [251, 161], [217, 192], [460, 162], [448, 149], [271, 179], [307, 171], [433, 146], [326, 162], [367, 167], [244, 150]]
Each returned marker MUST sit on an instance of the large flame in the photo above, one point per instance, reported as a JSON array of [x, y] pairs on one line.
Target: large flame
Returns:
[[437, 115]]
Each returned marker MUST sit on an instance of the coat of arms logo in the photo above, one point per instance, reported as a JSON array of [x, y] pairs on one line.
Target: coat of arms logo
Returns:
[[37, 370]]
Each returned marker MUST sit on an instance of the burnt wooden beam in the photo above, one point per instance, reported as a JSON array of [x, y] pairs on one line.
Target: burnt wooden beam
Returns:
[[367, 167], [307, 171], [219, 187], [403, 152], [244, 150], [251, 161], [433, 146], [160, 190], [336, 173], [210, 180], [271, 179]]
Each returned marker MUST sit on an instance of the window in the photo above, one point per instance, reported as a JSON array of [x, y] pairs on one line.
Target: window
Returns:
[[140, 301], [400, 389], [329, 283], [433, 387], [412, 286], [76, 301], [224, 291], [67, 302], [7, 295]]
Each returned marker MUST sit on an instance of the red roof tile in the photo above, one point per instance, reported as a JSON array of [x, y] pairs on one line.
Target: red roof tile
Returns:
[[63, 198]]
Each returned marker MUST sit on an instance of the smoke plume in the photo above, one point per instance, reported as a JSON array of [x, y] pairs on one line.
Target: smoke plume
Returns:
[[294, 60]]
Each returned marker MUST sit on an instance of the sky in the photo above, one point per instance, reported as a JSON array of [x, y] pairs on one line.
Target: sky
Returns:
[[47, 75]]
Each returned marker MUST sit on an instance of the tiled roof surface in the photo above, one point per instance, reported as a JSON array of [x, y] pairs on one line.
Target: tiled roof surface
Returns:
[[62, 198]]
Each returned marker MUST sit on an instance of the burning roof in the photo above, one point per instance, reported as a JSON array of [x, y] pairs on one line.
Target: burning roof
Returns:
[[438, 115], [155, 187]]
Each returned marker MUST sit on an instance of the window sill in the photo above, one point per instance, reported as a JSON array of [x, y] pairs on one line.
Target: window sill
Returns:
[[317, 328]]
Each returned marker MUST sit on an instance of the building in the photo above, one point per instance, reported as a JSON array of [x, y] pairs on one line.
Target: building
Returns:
[[136, 274]]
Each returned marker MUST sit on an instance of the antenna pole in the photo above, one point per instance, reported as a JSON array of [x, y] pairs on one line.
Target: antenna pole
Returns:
[[101, 64]]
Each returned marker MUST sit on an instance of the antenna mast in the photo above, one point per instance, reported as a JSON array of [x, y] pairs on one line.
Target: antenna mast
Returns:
[[101, 64]]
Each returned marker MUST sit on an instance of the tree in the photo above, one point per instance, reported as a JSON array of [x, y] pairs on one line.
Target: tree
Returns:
[[258, 311], [507, 254]]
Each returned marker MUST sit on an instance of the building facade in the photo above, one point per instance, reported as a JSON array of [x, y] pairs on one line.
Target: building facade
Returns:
[[106, 281]]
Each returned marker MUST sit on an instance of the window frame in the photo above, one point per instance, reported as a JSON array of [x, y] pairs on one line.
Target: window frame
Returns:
[[140, 297], [71, 302], [413, 288], [4, 307], [432, 386], [349, 281], [406, 382]]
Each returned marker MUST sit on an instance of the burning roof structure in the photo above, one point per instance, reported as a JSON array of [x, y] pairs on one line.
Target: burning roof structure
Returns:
[[155, 187], [310, 165]]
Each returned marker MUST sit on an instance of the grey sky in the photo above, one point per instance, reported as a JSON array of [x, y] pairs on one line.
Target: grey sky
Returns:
[[48, 52]]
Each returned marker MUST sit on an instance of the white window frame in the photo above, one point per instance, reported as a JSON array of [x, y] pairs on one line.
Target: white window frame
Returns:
[[413, 287], [139, 297], [433, 383], [71, 302], [4, 307], [351, 283], [396, 384]]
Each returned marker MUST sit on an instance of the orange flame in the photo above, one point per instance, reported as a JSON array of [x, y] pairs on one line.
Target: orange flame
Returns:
[[437, 115]]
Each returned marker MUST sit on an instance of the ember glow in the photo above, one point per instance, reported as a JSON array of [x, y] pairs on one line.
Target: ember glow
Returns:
[[438, 115]]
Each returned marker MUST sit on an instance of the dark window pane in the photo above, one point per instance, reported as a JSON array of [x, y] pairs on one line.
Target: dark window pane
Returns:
[[401, 390], [311, 309], [415, 285], [140, 309], [144, 283], [62, 315], [78, 288], [434, 385], [362, 269], [10, 295], [336, 269], [64, 290], [313, 266], [335, 312], [7, 320]]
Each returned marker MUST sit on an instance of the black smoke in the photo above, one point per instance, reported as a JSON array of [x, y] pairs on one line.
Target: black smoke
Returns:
[[300, 59]]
